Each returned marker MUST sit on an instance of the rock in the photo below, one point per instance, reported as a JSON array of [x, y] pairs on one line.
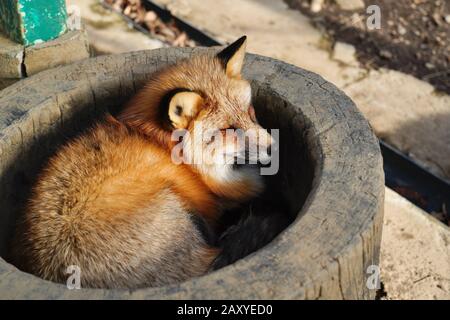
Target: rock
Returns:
[[447, 18], [401, 30], [11, 58], [386, 54], [150, 16], [316, 5], [437, 18], [70, 47], [350, 4], [345, 53], [429, 65]]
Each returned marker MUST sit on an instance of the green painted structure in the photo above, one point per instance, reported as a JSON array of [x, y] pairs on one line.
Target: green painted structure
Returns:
[[30, 22]]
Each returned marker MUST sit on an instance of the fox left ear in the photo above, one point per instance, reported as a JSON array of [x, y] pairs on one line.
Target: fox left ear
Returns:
[[183, 107], [232, 57]]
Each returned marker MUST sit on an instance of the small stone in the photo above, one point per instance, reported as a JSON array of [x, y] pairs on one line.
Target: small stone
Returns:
[[150, 16], [429, 65], [350, 4], [70, 47], [386, 54], [11, 58], [447, 18], [440, 41], [401, 30], [345, 53], [316, 5], [437, 18]]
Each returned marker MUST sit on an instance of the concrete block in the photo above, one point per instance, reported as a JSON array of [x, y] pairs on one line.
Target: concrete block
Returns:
[[415, 252], [18, 61], [33, 21], [70, 47], [11, 58]]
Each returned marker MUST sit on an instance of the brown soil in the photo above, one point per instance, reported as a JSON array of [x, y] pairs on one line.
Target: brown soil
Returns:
[[414, 36]]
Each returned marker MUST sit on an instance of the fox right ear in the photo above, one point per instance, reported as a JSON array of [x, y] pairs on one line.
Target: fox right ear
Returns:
[[183, 107], [232, 57]]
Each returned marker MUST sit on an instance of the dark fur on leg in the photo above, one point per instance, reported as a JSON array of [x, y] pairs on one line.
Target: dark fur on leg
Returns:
[[250, 228]]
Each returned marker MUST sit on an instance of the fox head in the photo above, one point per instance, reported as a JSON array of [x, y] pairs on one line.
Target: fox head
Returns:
[[203, 106]]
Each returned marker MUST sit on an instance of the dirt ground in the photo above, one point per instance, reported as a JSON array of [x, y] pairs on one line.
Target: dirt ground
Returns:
[[413, 38]]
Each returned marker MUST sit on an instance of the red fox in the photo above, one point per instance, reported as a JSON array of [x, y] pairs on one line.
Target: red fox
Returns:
[[114, 203]]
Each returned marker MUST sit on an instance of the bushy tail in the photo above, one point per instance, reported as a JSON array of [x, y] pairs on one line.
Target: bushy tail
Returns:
[[249, 228]]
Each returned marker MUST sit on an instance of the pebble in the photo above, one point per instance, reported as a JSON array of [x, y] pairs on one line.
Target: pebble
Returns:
[[316, 5], [401, 30], [345, 53], [351, 4], [447, 18], [386, 54]]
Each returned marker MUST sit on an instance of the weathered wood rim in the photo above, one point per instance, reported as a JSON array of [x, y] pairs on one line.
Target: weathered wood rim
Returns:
[[323, 254]]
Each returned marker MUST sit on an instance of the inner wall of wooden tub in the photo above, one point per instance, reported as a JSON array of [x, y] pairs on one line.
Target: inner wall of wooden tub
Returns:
[[297, 168], [23, 162]]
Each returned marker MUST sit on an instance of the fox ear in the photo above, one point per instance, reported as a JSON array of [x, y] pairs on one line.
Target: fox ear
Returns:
[[232, 57], [183, 107]]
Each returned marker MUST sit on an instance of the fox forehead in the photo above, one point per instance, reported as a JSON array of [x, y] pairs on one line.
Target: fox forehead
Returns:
[[205, 74]]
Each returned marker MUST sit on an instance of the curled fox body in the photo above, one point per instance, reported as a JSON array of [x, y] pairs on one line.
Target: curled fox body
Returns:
[[114, 203]]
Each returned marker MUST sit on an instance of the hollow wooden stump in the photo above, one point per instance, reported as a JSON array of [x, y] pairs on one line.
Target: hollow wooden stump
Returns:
[[330, 172]]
